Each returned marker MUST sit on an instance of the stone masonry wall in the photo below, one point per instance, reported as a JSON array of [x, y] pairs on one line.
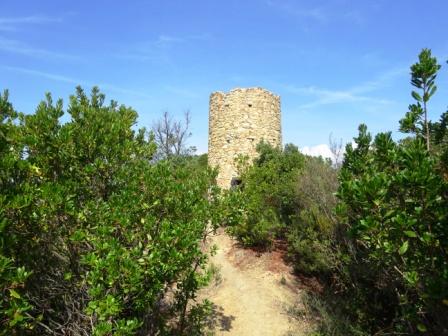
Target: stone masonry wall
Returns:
[[238, 121]]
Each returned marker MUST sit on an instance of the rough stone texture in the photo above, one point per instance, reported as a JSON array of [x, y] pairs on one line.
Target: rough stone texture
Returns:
[[238, 121]]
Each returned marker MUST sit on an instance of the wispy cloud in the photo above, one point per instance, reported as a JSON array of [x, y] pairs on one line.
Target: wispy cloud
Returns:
[[156, 50], [170, 39], [74, 81], [355, 17], [314, 13], [382, 80], [166, 39], [183, 92], [33, 19], [358, 93], [327, 97], [17, 47], [13, 23], [326, 12], [237, 78], [46, 75]]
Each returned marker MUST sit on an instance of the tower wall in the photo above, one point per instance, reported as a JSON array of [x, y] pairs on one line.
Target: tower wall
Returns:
[[238, 121]]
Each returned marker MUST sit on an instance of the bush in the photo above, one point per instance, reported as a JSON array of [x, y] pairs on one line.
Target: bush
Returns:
[[289, 196], [95, 238], [267, 194], [311, 234], [14, 307], [394, 203]]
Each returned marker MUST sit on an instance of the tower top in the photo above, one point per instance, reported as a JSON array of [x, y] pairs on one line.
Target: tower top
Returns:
[[248, 89]]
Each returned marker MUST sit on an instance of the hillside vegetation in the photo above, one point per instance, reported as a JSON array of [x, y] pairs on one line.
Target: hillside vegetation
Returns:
[[375, 231], [102, 233], [96, 238]]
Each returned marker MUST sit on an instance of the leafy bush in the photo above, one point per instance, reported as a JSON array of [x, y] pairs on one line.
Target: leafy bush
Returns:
[[311, 234], [395, 203], [289, 196], [267, 194], [95, 238], [394, 200], [14, 307]]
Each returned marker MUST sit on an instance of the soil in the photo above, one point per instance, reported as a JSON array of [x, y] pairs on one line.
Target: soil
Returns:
[[252, 292]]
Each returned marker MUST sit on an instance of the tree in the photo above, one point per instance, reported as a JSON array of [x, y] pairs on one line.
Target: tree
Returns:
[[336, 149], [171, 136], [423, 75]]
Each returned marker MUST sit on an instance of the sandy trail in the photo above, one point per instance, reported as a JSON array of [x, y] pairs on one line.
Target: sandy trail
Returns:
[[252, 292]]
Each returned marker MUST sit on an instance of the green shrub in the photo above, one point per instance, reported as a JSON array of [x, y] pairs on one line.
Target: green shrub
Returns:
[[289, 196], [331, 316], [394, 203], [267, 194], [14, 306], [312, 232], [96, 238]]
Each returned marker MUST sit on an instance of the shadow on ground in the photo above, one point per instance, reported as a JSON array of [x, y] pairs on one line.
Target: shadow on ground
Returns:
[[218, 319]]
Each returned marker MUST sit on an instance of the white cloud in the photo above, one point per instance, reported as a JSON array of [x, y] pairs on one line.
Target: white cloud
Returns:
[[160, 49], [315, 13], [184, 92], [357, 93], [325, 151], [59, 78], [17, 47], [45, 75], [381, 81], [166, 39], [326, 97], [170, 39], [12, 23], [326, 12], [318, 150]]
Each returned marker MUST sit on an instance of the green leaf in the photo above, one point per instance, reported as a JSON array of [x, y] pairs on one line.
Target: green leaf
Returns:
[[421, 327], [402, 250], [426, 237], [411, 234], [432, 91], [411, 277], [14, 294], [416, 96]]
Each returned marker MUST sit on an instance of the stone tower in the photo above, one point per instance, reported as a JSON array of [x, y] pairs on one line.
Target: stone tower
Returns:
[[238, 121]]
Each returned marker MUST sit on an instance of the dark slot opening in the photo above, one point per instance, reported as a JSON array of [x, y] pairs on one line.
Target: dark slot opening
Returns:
[[235, 182]]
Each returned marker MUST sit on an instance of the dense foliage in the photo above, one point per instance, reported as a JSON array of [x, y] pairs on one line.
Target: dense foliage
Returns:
[[312, 232], [266, 194], [94, 237], [380, 244], [286, 195], [97, 236], [394, 201]]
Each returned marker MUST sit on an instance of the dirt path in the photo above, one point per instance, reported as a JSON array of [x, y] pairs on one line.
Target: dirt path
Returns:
[[252, 292]]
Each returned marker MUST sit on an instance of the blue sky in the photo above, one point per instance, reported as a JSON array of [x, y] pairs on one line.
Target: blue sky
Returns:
[[335, 63]]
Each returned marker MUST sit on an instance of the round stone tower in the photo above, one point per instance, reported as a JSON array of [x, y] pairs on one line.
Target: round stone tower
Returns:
[[238, 121]]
